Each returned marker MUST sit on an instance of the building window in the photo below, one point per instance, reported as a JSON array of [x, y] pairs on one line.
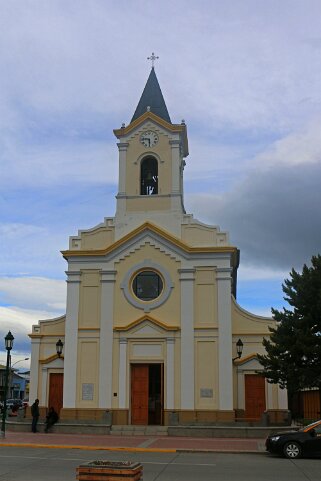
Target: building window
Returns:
[[149, 176], [147, 285]]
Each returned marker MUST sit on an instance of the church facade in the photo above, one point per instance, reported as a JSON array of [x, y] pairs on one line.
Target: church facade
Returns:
[[152, 322]]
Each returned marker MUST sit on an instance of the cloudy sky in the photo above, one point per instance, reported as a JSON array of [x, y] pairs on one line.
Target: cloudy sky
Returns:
[[245, 76]]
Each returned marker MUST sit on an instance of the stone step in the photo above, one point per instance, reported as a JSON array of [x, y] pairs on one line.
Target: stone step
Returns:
[[129, 430]]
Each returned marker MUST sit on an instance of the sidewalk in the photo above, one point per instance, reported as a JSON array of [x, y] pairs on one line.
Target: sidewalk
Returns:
[[133, 443]]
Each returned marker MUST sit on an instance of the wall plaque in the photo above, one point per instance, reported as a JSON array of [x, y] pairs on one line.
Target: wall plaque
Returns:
[[206, 392], [87, 392]]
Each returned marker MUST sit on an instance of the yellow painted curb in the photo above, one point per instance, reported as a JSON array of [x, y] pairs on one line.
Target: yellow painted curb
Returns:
[[88, 448]]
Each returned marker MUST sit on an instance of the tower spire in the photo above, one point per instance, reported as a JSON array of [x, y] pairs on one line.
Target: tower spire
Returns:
[[152, 98]]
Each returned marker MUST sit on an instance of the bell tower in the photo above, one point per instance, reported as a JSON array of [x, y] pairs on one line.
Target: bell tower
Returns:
[[151, 164]]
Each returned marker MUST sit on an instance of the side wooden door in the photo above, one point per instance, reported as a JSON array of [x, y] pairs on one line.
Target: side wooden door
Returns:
[[254, 396], [311, 404], [56, 384], [139, 393]]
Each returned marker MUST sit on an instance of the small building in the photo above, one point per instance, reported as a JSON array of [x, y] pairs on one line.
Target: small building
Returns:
[[152, 320], [17, 384]]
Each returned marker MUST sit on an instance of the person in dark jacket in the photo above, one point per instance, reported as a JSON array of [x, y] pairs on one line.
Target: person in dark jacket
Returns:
[[51, 419], [35, 415]]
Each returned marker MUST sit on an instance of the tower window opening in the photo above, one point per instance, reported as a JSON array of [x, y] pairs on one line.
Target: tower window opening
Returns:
[[149, 176]]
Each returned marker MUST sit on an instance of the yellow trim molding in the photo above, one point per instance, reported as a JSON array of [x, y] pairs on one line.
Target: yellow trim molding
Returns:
[[150, 319], [149, 116], [242, 360], [88, 328], [50, 359], [35, 336]]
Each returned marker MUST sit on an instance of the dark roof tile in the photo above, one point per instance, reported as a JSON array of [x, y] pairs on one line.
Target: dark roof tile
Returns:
[[152, 97]]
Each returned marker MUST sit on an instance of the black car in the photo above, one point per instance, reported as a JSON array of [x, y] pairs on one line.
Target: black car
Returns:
[[294, 444]]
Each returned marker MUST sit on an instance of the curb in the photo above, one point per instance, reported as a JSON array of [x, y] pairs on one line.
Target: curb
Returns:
[[89, 448], [129, 449]]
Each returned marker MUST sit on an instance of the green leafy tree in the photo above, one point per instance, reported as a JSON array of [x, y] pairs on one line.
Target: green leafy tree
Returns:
[[293, 352]]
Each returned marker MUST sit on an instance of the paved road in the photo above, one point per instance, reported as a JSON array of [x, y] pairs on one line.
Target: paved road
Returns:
[[41, 464]]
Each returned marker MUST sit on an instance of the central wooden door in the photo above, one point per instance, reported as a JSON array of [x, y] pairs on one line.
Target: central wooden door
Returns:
[[139, 393], [56, 384], [147, 394], [254, 396]]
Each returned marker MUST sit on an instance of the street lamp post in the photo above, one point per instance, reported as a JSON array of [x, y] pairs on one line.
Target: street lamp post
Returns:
[[20, 360], [8, 344]]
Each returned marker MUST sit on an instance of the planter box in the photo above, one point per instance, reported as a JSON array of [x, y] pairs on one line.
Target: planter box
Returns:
[[110, 471]]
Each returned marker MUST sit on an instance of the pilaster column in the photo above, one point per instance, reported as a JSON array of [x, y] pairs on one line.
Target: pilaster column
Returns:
[[122, 147], [106, 338], [34, 368], [269, 395], [122, 381], [175, 145], [225, 365], [282, 398], [71, 339], [43, 401], [170, 373], [187, 338]]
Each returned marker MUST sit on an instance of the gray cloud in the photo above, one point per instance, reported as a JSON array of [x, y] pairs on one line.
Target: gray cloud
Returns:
[[273, 216], [243, 76]]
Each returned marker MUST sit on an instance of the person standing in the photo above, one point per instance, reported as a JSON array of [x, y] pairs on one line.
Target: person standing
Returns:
[[35, 415]]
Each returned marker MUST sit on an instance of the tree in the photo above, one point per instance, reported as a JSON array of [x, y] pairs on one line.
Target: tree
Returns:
[[293, 352]]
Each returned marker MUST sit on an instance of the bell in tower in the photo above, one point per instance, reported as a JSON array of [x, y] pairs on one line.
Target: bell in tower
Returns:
[[149, 176]]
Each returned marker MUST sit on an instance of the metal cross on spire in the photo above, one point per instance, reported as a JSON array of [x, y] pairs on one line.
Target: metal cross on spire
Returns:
[[152, 58]]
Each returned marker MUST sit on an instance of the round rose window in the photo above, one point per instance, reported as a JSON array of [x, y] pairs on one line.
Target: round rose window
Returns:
[[147, 285]]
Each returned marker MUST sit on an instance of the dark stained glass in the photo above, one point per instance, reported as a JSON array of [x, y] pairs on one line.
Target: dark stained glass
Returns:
[[147, 285]]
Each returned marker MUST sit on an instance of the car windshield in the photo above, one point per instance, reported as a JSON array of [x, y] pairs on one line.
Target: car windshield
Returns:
[[309, 426]]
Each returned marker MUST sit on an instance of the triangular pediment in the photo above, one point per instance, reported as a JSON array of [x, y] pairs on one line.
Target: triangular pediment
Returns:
[[53, 361], [249, 362], [150, 116], [145, 228], [154, 118], [147, 326]]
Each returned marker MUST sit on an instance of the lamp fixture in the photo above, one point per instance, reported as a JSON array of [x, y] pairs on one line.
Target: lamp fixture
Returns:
[[239, 350], [59, 346], [9, 341]]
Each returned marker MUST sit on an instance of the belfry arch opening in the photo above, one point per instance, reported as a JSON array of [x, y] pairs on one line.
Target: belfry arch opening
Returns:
[[149, 176]]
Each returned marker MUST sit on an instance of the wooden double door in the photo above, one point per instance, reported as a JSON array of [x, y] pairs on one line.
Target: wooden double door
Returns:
[[56, 385], [147, 394]]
